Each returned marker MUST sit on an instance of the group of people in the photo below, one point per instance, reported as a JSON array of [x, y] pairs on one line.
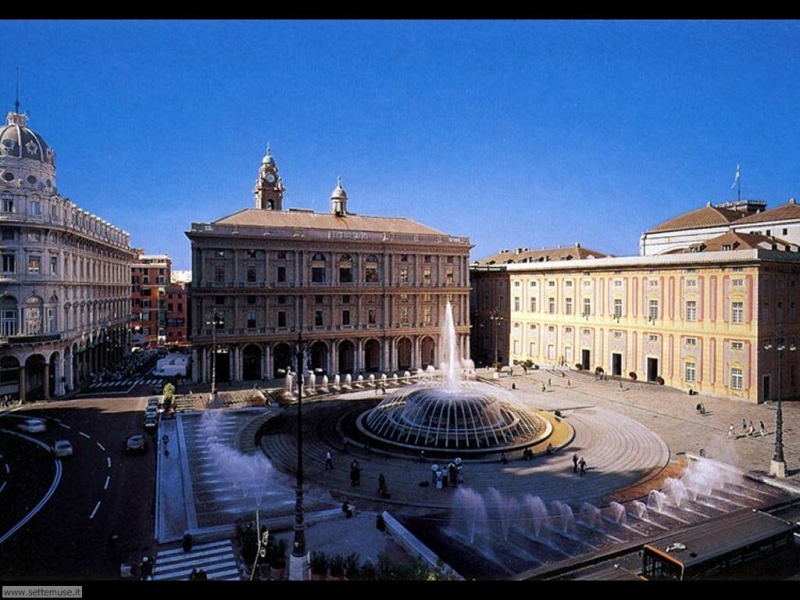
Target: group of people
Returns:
[[449, 476], [748, 428], [578, 464]]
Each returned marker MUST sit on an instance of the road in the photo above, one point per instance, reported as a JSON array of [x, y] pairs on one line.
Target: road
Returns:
[[59, 514]]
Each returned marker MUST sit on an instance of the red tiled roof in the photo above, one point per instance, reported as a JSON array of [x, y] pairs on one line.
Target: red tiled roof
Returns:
[[786, 212], [254, 217], [523, 255], [708, 216]]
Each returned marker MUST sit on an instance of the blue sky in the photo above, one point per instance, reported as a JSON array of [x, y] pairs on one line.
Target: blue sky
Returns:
[[515, 133]]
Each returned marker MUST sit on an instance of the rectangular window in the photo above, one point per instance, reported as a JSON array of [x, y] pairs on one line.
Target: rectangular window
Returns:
[[250, 300], [533, 304], [737, 379], [9, 263], [737, 345], [317, 318], [690, 373], [617, 308], [318, 274], [426, 276], [691, 310], [54, 265], [346, 274], [652, 313], [281, 318], [346, 299], [516, 303], [737, 312], [691, 341], [281, 274], [319, 299], [448, 276], [737, 282], [219, 274], [568, 306], [9, 322], [36, 208], [8, 205], [404, 275], [426, 315], [371, 274], [34, 236], [587, 307], [251, 274], [371, 316], [403, 316], [345, 317], [251, 320], [34, 264], [551, 305]]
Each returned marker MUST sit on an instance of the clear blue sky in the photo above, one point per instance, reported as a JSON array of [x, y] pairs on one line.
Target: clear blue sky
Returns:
[[517, 133]]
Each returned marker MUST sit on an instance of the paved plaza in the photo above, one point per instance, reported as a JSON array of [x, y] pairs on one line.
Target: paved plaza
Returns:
[[631, 434]]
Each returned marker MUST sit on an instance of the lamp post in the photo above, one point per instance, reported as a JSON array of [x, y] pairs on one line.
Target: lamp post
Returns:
[[496, 317], [777, 467], [299, 559], [216, 322]]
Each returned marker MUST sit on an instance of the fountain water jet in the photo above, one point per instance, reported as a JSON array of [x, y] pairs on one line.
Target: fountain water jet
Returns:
[[452, 412]]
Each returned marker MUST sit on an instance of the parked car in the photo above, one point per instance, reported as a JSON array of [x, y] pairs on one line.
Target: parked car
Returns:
[[135, 444], [150, 422], [150, 411], [62, 448], [33, 425], [152, 402]]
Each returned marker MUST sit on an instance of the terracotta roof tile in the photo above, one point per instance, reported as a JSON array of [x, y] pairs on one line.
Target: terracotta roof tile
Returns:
[[254, 217], [523, 255], [708, 216], [786, 212]]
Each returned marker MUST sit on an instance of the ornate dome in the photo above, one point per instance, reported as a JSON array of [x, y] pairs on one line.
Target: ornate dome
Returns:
[[17, 141]]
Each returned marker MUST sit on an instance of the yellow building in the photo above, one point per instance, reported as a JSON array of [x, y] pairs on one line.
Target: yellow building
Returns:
[[719, 318]]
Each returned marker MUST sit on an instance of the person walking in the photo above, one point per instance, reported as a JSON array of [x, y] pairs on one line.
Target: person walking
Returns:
[[328, 460], [355, 473], [575, 463], [582, 465], [730, 431], [751, 430], [762, 430]]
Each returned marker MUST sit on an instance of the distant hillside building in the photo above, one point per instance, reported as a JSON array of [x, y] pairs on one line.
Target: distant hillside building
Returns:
[[65, 287], [368, 293]]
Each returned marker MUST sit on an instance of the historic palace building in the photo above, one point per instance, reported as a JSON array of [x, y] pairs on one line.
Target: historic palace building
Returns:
[[717, 315], [65, 290], [364, 294]]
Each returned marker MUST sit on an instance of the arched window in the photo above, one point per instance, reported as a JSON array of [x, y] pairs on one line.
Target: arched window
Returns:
[[33, 316], [318, 268], [371, 274], [8, 316]]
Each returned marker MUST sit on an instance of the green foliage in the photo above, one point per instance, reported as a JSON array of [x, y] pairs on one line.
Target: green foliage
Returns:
[[352, 565], [336, 565], [169, 391], [318, 562]]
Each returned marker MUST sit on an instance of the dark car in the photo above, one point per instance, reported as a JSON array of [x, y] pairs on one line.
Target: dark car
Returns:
[[151, 422], [135, 444]]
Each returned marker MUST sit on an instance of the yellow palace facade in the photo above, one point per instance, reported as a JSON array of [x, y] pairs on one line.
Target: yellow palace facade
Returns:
[[720, 319]]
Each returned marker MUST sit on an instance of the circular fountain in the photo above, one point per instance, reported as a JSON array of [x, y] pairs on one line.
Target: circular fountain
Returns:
[[453, 413]]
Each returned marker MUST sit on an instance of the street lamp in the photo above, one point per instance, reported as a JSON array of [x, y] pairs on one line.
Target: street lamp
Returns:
[[496, 317], [217, 321], [777, 467], [299, 559]]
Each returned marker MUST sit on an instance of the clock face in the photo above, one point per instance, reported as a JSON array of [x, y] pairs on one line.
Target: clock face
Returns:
[[270, 177]]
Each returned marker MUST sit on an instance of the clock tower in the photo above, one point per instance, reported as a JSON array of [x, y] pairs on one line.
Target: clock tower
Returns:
[[269, 187]]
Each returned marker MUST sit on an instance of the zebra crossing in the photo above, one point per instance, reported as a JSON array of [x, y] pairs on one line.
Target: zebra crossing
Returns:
[[217, 559], [122, 385]]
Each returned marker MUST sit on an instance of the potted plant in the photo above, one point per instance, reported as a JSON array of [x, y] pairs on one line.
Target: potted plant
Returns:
[[336, 567], [278, 559], [632, 375], [352, 565], [318, 565], [368, 570]]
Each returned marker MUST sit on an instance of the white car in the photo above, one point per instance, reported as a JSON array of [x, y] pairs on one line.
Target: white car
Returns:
[[33, 425], [62, 448]]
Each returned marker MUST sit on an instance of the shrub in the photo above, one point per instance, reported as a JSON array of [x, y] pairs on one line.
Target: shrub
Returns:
[[318, 563], [579, 366], [660, 380], [632, 375]]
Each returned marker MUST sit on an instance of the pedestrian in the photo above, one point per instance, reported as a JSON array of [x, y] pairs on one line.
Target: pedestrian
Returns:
[[575, 463], [569, 383], [503, 458], [383, 388], [422, 456], [383, 489], [730, 431], [147, 569], [328, 460], [549, 383], [434, 470], [751, 430], [453, 472], [544, 387], [582, 465], [762, 430], [744, 425], [355, 469]]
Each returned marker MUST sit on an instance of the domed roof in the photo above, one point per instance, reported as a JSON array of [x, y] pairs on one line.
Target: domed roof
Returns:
[[17, 141], [268, 160], [339, 193]]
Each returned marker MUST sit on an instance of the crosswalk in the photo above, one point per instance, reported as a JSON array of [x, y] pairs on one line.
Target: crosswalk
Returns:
[[217, 559], [121, 385]]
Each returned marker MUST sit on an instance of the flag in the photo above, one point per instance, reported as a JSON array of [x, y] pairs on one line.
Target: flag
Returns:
[[735, 177]]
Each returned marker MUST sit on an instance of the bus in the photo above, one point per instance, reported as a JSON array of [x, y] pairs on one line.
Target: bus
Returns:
[[732, 547]]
